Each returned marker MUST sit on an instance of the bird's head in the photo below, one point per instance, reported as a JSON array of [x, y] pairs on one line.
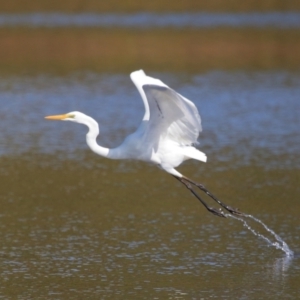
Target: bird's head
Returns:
[[74, 116]]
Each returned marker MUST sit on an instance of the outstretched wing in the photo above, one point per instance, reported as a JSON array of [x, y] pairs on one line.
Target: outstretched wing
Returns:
[[169, 114]]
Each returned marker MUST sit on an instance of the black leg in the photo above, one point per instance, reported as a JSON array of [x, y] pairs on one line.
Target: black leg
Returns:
[[189, 186], [230, 209]]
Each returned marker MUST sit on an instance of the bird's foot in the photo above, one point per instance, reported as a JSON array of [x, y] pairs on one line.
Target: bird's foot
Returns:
[[217, 212], [234, 211]]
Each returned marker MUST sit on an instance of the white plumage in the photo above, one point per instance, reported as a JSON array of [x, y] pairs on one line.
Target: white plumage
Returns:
[[169, 130], [166, 136]]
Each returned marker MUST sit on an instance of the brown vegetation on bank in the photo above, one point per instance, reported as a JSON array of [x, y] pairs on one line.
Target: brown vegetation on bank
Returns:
[[65, 50], [153, 5]]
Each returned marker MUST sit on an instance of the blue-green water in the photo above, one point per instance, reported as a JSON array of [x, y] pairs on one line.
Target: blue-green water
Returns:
[[244, 111], [74, 225], [142, 20]]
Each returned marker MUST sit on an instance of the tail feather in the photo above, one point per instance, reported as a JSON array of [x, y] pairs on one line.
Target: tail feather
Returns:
[[194, 153]]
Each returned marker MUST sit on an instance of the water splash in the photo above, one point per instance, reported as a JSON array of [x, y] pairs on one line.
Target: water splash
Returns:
[[279, 244]]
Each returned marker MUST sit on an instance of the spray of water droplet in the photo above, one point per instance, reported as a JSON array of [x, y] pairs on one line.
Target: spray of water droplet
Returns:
[[279, 244]]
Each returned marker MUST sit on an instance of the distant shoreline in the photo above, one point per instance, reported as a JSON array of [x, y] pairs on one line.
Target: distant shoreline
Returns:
[[66, 50]]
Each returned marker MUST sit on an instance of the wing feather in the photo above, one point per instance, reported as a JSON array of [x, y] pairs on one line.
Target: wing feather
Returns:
[[169, 115]]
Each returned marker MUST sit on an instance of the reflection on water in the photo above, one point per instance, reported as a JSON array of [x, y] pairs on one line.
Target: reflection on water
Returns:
[[281, 267], [287, 20]]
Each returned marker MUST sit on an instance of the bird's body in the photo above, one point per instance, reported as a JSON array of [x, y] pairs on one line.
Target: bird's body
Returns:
[[166, 136]]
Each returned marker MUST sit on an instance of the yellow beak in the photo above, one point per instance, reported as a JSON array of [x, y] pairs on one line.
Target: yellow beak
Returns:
[[57, 117]]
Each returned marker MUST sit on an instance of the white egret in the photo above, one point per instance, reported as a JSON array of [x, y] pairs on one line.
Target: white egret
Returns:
[[166, 136]]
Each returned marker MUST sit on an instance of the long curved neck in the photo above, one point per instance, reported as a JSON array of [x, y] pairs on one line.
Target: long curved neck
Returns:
[[92, 135]]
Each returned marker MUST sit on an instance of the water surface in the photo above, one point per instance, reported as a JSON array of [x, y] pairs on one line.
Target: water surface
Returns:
[[240, 110], [74, 225], [143, 20]]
